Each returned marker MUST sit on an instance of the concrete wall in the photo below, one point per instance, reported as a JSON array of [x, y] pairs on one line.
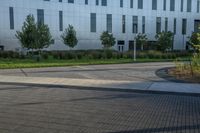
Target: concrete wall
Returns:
[[78, 14]]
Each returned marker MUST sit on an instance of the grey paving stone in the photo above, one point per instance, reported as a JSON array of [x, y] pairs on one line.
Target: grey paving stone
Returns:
[[26, 109]]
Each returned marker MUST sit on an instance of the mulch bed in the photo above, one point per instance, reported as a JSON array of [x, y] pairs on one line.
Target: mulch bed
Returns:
[[184, 75]]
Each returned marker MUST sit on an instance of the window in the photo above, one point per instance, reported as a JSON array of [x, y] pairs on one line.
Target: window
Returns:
[[93, 22], [104, 2], [181, 5], [40, 16], [121, 3], [123, 23], [196, 26], [61, 20], [70, 1], [172, 5], [131, 3], [198, 2], [143, 24], [158, 24], [166, 24], [184, 26], [135, 24], [60, 0], [109, 23], [154, 4], [174, 25], [140, 4], [189, 5], [11, 12], [86, 2], [164, 5], [97, 2]]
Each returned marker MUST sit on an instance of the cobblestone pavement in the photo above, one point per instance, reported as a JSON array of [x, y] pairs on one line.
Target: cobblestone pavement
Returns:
[[31, 109]]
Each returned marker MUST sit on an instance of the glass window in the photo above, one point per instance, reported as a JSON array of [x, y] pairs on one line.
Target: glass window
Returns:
[[154, 4], [158, 24], [140, 4], [143, 24], [86, 2], [104, 2], [123, 23], [164, 5], [61, 20], [93, 22], [184, 26], [172, 5], [189, 5], [135, 24], [181, 5], [198, 2], [11, 12], [40, 16], [166, 24], [121, 3], [70, 1], [174, 25], [131, 3], [109, 23], [97, 2]]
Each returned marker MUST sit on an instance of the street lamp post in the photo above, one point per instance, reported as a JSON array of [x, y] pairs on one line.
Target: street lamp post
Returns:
[[135, 48]]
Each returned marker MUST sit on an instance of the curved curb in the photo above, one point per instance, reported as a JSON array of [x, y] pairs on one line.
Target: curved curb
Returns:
[[163, 73]]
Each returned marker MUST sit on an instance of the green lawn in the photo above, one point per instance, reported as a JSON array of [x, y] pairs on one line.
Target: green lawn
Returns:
[[29, 63]]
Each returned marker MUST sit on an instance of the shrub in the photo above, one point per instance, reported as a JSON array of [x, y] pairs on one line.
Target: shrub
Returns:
[[45, 56]]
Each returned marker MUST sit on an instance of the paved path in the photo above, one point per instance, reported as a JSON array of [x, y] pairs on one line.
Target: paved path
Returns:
[[30, 109], [139, 76]]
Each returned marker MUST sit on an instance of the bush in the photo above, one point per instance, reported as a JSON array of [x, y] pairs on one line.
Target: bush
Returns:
[[45, 56]]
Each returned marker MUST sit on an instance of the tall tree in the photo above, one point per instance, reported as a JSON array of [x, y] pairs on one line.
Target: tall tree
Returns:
[[164, 40], [44, 37], [69, 37], [194, 41], [28, 35], [141, 40], [107, 39], [34, 36]]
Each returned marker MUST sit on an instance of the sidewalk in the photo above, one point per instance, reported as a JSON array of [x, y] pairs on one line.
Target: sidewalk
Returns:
[[169, 87]]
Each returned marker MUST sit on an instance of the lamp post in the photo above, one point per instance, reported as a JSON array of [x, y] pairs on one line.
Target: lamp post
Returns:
[[135, 48]]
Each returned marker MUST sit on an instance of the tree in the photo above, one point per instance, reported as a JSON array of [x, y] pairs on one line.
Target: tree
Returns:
[[27, 36], [69, 37], [141, 40], [44, 37], [34, 36], [164, 40], [194, 41], [107, 39]]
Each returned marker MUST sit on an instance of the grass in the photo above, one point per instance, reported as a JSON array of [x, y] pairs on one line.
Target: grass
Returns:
[[30, 63]]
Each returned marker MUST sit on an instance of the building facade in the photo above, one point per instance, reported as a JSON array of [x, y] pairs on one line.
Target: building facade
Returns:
[[123, 18]]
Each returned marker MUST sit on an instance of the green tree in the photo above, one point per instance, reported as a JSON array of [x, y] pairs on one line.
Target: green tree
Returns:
[[34, 36], [194, 41], [69, 37], [107, 40], [44, 38], [141, 40], [28, 35], [164, 40]]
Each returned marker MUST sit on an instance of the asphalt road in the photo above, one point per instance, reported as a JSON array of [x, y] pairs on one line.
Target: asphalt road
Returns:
[[31, 109], [129, 72]]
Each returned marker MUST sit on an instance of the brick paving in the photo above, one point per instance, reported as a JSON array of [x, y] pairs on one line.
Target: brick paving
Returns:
[[28, 109]]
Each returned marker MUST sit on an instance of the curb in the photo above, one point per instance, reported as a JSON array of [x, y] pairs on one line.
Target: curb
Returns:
[[103, 89], [162, 73]]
